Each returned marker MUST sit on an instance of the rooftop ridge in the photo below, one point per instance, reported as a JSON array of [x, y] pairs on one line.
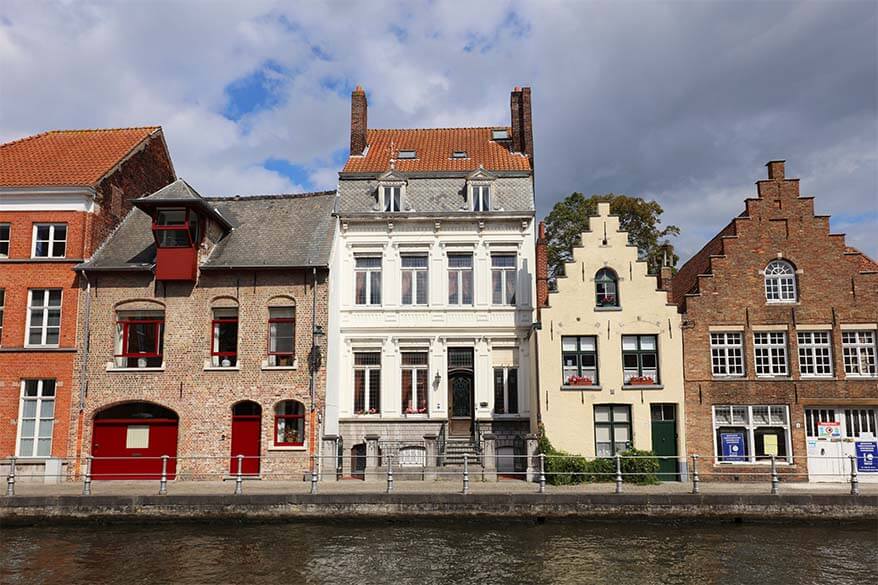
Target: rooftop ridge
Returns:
[[442, 128], [237, 197], [76, 131]]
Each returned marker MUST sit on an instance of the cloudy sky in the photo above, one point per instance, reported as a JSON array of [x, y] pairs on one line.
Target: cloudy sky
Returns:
[[683, 102]]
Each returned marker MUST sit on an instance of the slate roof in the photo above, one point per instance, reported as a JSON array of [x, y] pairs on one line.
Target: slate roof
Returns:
[[269, 231], [433, 148], [67, 157]]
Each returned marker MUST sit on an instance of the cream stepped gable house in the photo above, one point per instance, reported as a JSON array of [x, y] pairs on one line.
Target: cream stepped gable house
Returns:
[[611, 353], [431, 302]]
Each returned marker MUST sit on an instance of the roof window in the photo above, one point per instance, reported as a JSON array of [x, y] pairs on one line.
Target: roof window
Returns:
[[407, 154], [500, 134], [458, 154]]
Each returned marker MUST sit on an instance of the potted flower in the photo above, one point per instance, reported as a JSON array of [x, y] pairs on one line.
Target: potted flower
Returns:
[[579, 381], [641, 381]]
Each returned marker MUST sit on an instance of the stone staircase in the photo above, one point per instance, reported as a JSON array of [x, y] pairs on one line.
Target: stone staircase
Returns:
[[456, 448]]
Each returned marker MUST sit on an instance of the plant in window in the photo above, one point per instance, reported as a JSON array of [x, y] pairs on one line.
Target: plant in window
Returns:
[[139, 339], [579, 381], [606, 288]]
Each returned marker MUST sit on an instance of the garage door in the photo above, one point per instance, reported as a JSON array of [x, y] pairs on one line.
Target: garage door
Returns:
[[128, 442]]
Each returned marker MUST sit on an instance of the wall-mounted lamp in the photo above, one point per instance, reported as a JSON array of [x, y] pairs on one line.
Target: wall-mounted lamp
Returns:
[[437, 379]]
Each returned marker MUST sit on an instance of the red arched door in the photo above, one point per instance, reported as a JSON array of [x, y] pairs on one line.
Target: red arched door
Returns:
[[246, 437], [128, 442]]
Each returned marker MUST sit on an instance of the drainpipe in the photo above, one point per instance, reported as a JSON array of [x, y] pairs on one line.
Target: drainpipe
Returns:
[[83, 369], [312, 369]]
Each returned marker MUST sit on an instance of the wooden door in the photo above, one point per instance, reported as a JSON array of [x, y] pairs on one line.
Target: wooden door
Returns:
[[664, 440], [132, 448], [246, 438]]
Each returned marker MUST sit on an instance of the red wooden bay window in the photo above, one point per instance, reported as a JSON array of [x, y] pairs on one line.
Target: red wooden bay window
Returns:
[[139, 340], [289, 424], [177, 234]]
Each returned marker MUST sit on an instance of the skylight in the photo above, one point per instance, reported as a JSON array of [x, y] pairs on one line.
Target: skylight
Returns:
[[458, 154], [500, 134], [407, 154]]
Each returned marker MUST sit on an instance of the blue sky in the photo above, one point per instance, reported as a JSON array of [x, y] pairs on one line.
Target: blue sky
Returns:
[[682, 102]]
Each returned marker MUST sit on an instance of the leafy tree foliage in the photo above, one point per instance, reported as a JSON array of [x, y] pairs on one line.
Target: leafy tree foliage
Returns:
[[639, 217]]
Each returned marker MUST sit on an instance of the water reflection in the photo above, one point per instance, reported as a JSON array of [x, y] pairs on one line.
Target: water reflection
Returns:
[[439, 553]]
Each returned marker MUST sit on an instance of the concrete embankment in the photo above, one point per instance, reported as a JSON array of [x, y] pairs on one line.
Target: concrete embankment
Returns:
[[20, 510]]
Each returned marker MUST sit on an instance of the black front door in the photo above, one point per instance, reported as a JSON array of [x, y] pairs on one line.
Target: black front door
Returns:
[[460, 391]]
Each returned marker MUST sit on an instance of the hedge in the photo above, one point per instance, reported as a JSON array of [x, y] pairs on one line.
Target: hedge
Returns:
[[564, 468]]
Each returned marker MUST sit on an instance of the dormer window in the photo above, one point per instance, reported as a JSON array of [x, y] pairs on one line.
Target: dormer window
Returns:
[[500, 134], [392, 198], [176, 228], [458, 154], [481, 197], [407, 154]]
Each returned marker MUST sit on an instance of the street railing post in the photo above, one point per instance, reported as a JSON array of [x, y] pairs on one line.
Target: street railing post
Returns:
[[86, 479], [695, 487], [389, 474], [239, 478], [855, 481], [163, 482], [775, 480], [10, 479], [313, 476], [618, 474], [465, 474], [542, 473]]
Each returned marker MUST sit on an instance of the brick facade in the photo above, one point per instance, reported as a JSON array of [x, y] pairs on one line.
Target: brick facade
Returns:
[[722, 289]]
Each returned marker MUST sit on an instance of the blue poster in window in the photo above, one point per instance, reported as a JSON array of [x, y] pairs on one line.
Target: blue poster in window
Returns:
[[867, 456], [733, 447]]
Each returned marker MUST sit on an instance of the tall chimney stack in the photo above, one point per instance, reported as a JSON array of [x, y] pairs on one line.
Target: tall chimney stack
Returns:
[[522, 123], [542, 269], [359, 125]]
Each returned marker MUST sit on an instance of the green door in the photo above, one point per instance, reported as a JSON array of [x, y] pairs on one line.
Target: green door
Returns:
[[664, 439]]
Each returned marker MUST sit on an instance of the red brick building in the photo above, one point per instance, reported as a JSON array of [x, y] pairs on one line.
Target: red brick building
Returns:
[[780, 320], [61, 193], [206, 319]]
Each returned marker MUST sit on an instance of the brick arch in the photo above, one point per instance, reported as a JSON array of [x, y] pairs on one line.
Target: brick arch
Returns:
[[224, 302], [139, 305], [281, 300]]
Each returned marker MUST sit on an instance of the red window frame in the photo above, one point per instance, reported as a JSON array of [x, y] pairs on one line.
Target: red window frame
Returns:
[[294, 417], [184, 227], [126, 325], [292, 320], [214, 338]]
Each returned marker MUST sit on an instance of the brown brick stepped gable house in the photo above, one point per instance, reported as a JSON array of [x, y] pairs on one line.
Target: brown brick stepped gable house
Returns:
[[203, 315], [61, 193], [779, 333]]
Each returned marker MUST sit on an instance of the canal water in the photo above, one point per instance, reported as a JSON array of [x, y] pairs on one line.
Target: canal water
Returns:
[[442, 552]]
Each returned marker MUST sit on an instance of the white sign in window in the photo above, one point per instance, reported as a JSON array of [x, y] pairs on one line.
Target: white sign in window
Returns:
[[137, 437]]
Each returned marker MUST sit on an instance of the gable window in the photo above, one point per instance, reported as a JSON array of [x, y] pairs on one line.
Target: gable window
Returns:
[[815, 353], [481, 197], [579, 360], [414, 280], [606, 285], [392, 198], [44, 317], [37, 419], [770, 348], [139, 339], [506, 390], [751, 434], [503, 277], [368, 280], [281, 336], [460, 279], [50, 240], [640, 359], [367, 382], [727, 354], [414, 382], [224, 338], [4, 240], [612, 429], [289, 424], [780, 282], [858, 348]]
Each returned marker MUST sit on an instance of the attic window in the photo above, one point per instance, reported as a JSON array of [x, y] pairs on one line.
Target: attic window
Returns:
[[500, 134], [458, 154], [407, 154]]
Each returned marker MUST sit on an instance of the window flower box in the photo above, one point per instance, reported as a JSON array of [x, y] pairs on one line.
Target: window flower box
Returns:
[[415, 410], [579, 381], [641, 381], [370, 411]]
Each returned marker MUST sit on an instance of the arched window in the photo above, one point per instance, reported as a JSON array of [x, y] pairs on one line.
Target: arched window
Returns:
[[289, 424], [606, 285], [780, 282]]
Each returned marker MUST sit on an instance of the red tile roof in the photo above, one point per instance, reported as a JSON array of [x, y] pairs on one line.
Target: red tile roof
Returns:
[[433, 148], [67, 157], [866, 263]]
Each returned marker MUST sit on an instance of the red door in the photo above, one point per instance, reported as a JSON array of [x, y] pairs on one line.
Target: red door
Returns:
[[246, 440], [132, 448]]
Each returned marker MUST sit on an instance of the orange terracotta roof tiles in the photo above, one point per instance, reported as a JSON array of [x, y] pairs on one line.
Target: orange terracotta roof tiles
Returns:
[[433, 148], [67, 157], [866, 263]]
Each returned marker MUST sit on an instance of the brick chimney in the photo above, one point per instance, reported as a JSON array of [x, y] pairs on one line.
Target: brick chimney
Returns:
[[666, 275], [542, 253], [522, 123], [358, 121], [775, 169]]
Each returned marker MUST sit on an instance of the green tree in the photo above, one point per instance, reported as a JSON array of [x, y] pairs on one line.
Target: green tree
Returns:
[[639, 217]]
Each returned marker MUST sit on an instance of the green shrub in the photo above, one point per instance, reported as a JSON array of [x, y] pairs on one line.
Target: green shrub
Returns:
[[564, 468], [642, 471]]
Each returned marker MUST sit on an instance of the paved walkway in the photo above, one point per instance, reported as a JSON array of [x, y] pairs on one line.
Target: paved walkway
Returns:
[[504, 486]]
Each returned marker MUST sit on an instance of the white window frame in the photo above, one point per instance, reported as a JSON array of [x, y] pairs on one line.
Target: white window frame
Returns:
[[481, 197], [774, 349], [503, 273], [750, 427], [51, 241], [780, 282], [369, 271], [727, 355], [7, 240], [815, 353], [412, 272], [458, 273], [39, 400], [392, 205], [46, 308], [861, 351]]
